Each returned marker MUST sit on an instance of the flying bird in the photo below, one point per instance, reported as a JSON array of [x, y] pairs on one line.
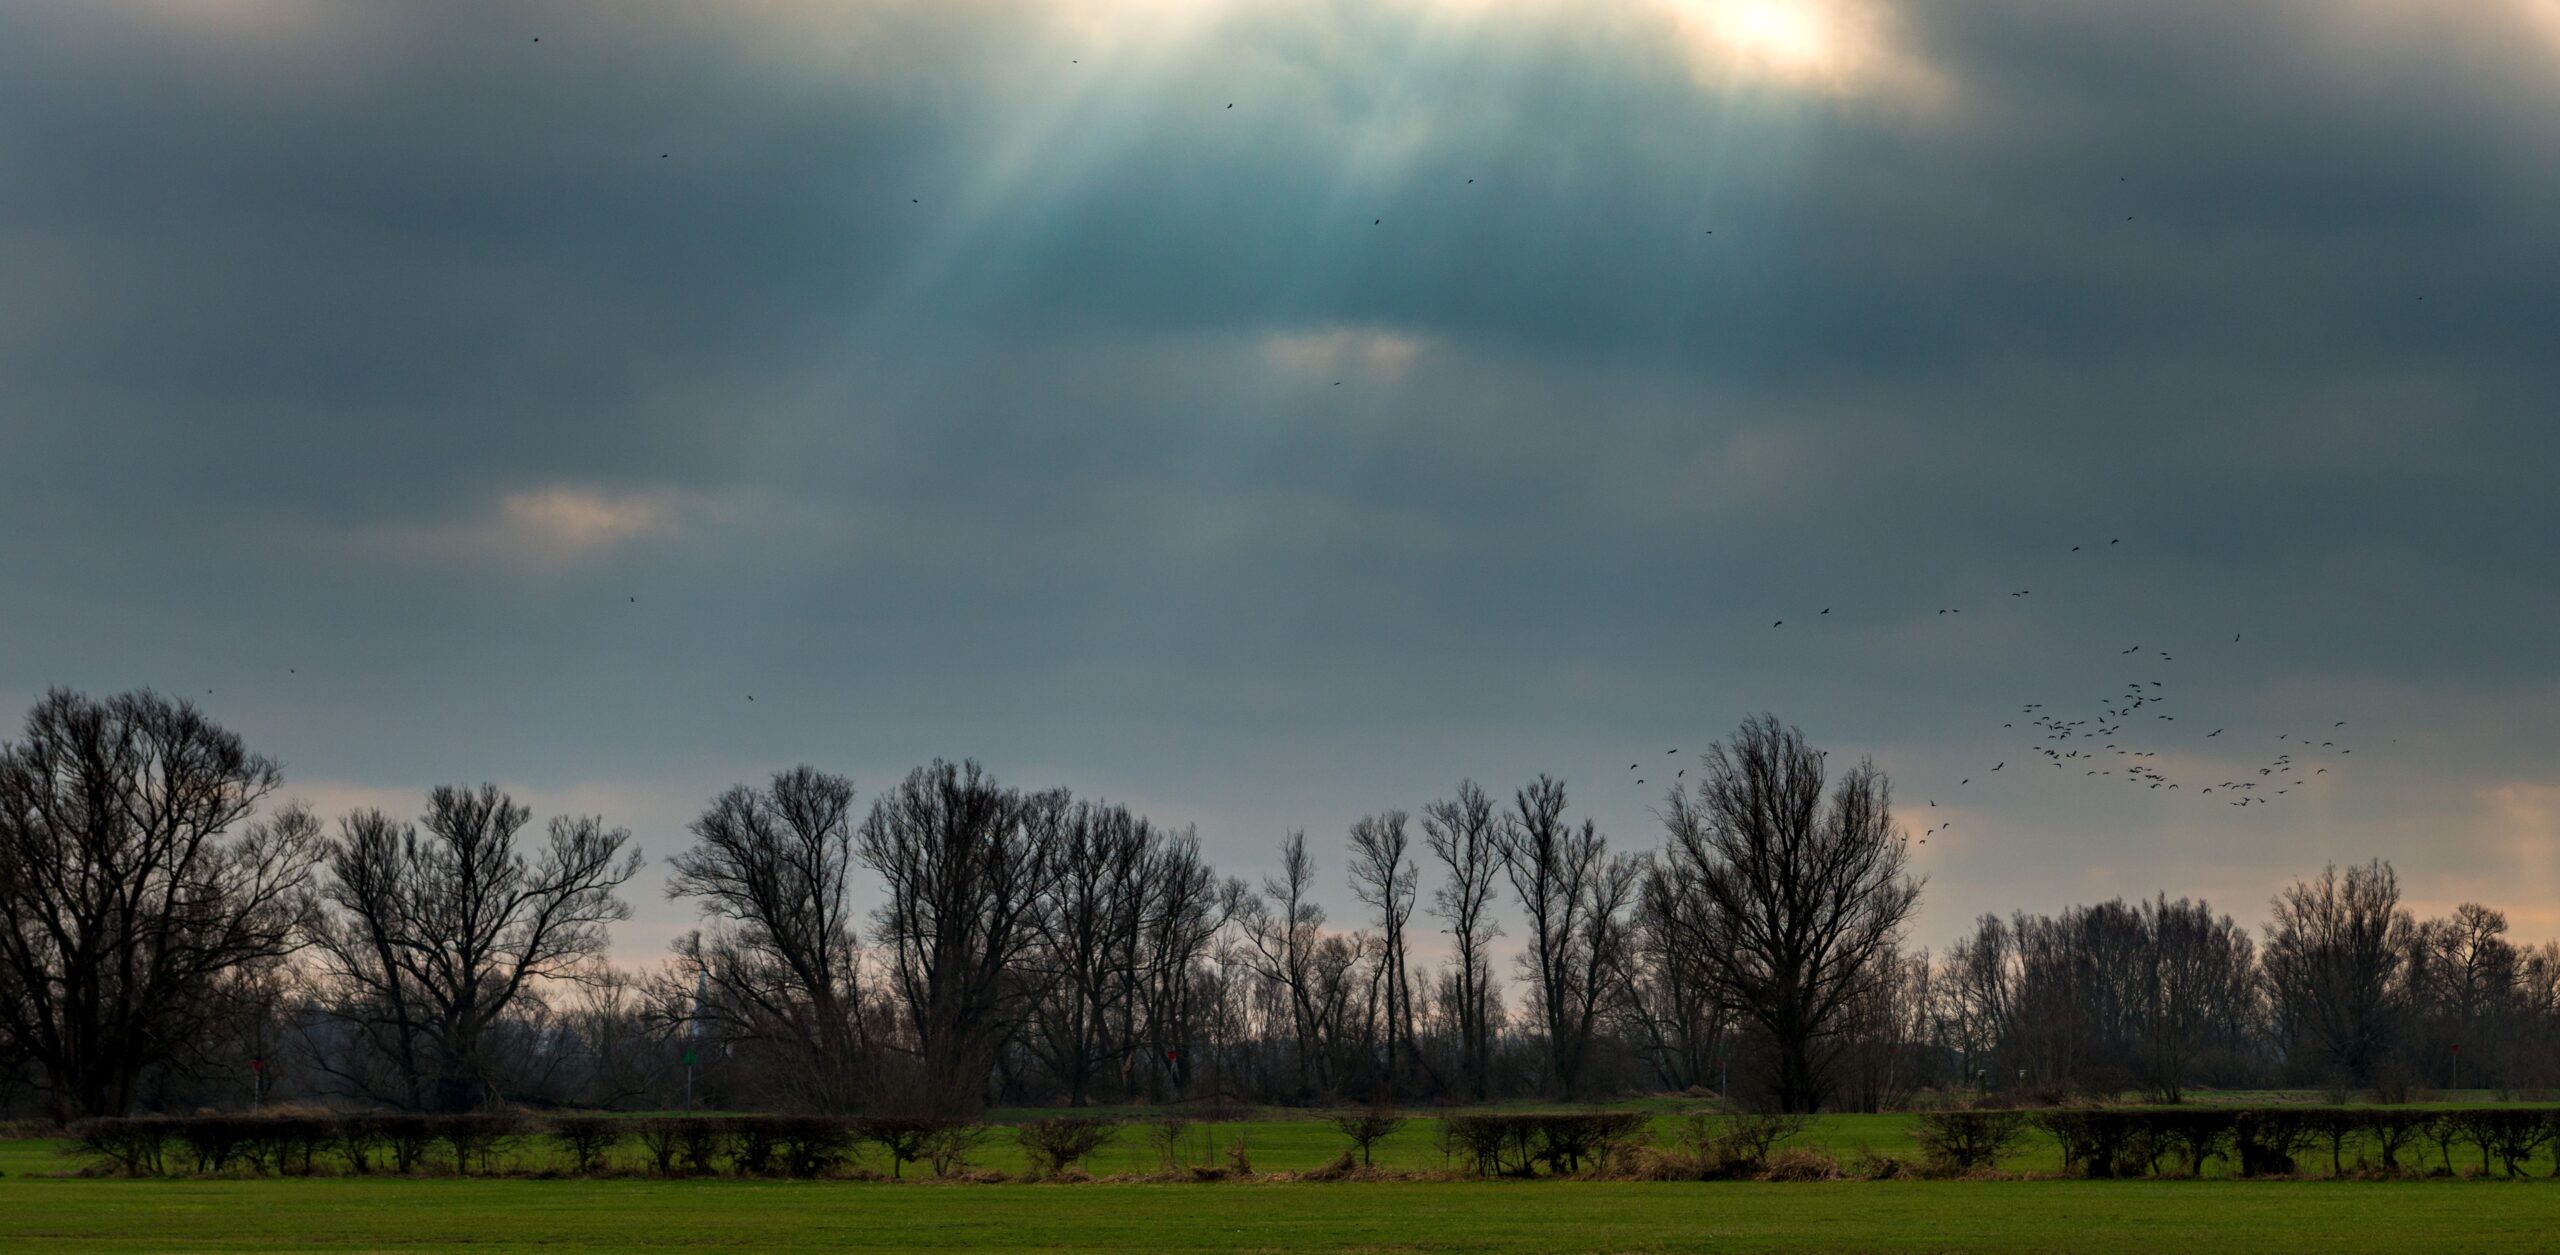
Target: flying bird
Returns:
[[2003, 764]]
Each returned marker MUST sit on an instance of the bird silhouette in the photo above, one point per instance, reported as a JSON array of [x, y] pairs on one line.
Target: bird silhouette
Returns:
[[2003, 764]]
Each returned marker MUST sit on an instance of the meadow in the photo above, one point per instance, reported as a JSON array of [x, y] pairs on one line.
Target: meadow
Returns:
[[48, 1203], [2082, 1217]]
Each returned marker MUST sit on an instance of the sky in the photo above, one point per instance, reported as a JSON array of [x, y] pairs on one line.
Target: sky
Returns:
[[1265, 413]]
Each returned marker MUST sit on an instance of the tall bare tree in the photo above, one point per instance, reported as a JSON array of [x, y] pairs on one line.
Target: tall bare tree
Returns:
[[1283, 927], [1382, 878], [2336, 966], [2196, 977], [436, 930], [1189, 906], [1092, 927], [1466, 836], [129, 888], [1976, 991], [772, 869], [1574, 895], [1794, 902], [1680, 1027], [966, 862]]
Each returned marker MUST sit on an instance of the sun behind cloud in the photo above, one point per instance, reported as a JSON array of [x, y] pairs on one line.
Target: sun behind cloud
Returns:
[[1830, 47]]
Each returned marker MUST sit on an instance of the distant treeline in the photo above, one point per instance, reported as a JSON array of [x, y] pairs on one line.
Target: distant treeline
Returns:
[[171, 939]]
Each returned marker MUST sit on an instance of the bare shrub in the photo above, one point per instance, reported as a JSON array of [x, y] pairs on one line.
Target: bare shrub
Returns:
[[1058, 1144], [587, 1140], [1962, 1140], [812, 1146], [902, 1138], [947, 1151], [1741, 1141], [1165, 1134], [663, 1138], [1366, 1129], [132, 1145], [474, 1141]]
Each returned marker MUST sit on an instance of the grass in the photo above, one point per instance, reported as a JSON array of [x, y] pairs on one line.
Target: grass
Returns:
[[43, 1207], [2083, 1218]]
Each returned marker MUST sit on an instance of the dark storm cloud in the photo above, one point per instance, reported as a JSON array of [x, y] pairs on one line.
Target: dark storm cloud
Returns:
[[955, 398]]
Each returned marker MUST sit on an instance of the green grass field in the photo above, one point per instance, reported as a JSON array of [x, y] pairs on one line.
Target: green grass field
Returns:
[[2083, 1218], [46, 1206]]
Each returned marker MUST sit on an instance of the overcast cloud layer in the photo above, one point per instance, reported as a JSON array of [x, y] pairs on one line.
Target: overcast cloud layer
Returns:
[[1469, 399]]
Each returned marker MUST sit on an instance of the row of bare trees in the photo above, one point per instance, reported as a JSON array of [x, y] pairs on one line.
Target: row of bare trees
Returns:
[[2346, 990], [169, 938]]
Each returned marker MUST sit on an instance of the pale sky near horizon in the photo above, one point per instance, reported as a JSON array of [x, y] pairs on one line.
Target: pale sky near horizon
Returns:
[[1268, 412]]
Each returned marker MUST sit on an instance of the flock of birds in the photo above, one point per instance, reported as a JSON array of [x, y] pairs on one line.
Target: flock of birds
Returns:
[[2101, 744], [2130, 736]]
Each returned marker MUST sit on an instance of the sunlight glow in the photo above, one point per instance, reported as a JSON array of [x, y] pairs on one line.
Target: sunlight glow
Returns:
[[1833, 47]]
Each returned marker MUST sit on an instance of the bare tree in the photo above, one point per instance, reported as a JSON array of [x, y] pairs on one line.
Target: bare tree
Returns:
[[2197, 971], [1466, 836], [2463, 984], [1382, 878], [1188, 907], [436, 930], [1092, 929], [772, 869], [1976, 990], [966, 862], [1282, 926], [1795, 903], [1671, 1004], [1575, 896], [125, 896], [2336, 963]]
